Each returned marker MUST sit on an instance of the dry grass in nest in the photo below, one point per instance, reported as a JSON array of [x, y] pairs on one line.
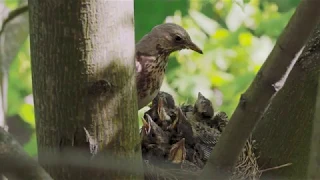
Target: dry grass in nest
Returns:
[[247, 167]]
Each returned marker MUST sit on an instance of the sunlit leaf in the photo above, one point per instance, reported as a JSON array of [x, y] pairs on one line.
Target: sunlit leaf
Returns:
[[27, 114], [219, 78], [220, 34], [12, 4], [245, 39]]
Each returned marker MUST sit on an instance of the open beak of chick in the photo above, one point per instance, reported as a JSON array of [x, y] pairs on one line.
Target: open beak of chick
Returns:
[[146, 127], [177, 152], [163, 115]]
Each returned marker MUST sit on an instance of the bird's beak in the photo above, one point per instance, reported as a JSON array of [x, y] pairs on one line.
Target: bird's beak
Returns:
[[194, 47]]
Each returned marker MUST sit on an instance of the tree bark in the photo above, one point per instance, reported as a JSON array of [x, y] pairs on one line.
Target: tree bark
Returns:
[[262, 90], [84, 79], [314, 166], [284, 132]]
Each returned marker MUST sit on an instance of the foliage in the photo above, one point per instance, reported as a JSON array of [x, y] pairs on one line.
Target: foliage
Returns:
[[236, 42], [149, 13], [236, 37]]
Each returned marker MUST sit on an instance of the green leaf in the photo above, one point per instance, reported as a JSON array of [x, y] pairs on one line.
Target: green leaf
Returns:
[[245, 39], [27, 114], [11, 4]]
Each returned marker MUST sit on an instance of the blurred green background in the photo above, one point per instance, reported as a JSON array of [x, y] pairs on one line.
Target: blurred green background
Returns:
[[236, 37]]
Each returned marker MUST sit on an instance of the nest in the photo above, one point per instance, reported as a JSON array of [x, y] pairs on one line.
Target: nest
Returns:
[[176, 141]]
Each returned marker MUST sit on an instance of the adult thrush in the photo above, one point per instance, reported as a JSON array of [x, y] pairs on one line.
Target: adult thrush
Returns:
[[152, 53]]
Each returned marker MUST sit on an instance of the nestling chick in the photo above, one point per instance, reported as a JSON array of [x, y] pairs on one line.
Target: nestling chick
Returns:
[[219, 121], [155, 142], [162, 110], [183, 128], [203, 107], [170, 103], [155, 134]]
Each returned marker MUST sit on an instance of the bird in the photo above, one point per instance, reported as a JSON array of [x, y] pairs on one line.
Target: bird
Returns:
[[155, 134], [162, 109], [183, 128], [203, 108], [151, 58], [219, 121]]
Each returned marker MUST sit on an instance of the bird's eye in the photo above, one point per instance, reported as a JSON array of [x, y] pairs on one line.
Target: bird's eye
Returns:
[[178, 38]]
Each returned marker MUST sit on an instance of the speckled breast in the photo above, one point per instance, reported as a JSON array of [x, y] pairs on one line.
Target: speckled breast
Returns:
[[149, 81]]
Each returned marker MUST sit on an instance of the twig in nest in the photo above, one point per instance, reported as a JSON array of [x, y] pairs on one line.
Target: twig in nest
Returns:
[[276, 167]]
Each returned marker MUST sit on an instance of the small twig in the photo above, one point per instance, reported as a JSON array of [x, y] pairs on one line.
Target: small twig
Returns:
[[276, 167], [13, 14]]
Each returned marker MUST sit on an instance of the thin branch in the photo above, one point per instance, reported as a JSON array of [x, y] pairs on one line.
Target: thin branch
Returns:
[[13, 14], [16, 163], [256, 99]]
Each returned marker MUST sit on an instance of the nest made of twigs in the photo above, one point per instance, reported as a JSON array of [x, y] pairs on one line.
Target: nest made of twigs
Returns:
[[246, 169], [207, 129], [247, 166]]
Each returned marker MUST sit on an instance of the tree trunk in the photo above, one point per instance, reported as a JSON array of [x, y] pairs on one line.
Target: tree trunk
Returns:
[[284, 132], [314, 166], [83, 78]]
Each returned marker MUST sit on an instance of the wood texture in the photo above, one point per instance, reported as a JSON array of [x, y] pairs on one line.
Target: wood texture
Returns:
[[75, 44], [284, 132]]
